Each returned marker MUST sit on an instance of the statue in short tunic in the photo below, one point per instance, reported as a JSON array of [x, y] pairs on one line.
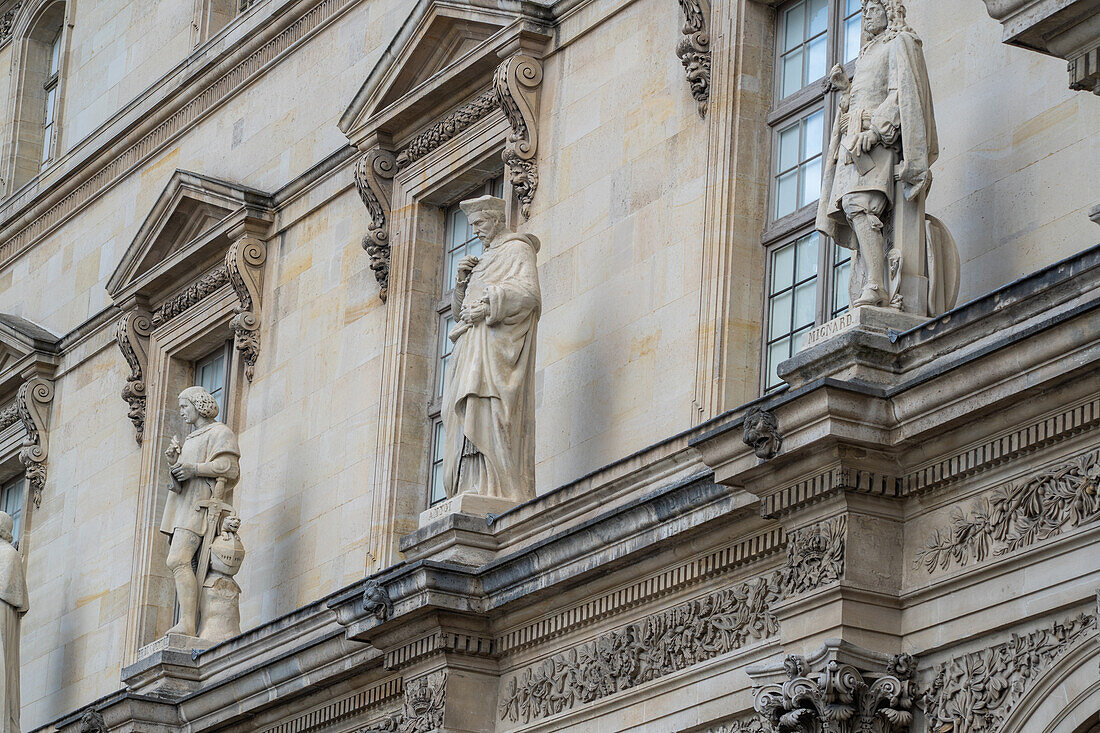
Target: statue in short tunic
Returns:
[[13, 593], [489, 393], [203, 475]]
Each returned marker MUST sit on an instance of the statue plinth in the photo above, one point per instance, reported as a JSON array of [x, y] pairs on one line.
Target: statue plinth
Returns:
[[473, 504], [867, 318], [166, 667]]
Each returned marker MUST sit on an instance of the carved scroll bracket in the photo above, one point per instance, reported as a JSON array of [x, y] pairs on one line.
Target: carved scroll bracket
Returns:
[[694, 50], [374, 179], [32, 402], [132, 334], [245, 260], [517, 82]]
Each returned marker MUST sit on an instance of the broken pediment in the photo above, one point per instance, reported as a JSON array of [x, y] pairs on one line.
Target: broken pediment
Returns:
[[187, 232], [444, 54]]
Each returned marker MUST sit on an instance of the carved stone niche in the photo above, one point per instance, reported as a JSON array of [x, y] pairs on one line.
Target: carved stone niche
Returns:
[[29, 355], [204, 237], [450, 69], [841, 688], [1066, 29]]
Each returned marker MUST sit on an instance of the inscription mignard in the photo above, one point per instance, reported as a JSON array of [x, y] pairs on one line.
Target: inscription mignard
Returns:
[[827, 330]]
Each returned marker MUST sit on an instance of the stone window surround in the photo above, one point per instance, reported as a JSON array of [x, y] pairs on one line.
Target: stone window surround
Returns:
[[22, 93]]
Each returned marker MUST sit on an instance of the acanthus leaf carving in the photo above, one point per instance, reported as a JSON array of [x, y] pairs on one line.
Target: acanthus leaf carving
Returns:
[[190, 296], [374, 180], [1018, 515], [976, 691], [425, 704], [656, 646], [32, 402], [244, 261], [839, 699], [132, 334], [516, 85], [447, 128], [815, 556], [694, 51]]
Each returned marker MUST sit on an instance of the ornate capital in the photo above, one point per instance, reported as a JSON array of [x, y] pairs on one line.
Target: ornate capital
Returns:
[[132, 334], [694, 50], [32, 402], [374, 180], [244, 261], [516, 84], [839, 699]]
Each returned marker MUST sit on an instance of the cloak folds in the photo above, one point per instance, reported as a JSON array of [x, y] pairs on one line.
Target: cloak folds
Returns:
[[489, 394], [909, 103], [13, 593], [201, 446]]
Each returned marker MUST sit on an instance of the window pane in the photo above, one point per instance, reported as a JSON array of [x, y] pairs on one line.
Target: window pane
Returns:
[[779, 319], [794, 26], [840, 288], [853, 6], [436, 493], [782, 268], [807, 258], [788, 149], [811, 183], [799, 340], [792, 73], [786, 200], [819, 16], [815, 60], [852, 31], [805, 304], [55, 53], [210, 374], [11, 501], [447, 323], [814, 135], [777, 352]]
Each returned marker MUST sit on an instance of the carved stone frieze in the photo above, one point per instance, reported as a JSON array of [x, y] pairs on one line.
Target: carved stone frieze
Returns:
[[761, 433], [815, 556], [190, 296], [9, 416], [132, 334], [32, 401], [656, 646], [244, 262], [977, 691], [752, 724], [694, 51], [447, 128], [374, 181], [516, 85], [839, 699], [7, 22], [1019, 514], [425, 704], [376, 600]]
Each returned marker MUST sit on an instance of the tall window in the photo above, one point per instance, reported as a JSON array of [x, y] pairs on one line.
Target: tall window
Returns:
[[49, 87], [36, 129], [458, 242], [807, 275], [212, 374], [11, 501]]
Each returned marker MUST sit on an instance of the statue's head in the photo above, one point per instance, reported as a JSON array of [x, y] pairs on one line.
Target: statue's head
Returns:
[[7, 527], [884, 15], [486, 216], [197, 406]]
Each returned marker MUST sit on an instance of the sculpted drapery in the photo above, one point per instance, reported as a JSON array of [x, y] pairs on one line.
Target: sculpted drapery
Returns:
[[13, 593], [488, 397]]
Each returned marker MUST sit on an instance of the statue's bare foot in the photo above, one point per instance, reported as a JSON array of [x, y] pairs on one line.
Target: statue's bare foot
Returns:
[[871, 295], [181, 628]]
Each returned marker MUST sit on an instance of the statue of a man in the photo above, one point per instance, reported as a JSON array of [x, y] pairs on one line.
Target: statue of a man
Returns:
[[13, 593], [205, 472], [884, 132], [489, 392]]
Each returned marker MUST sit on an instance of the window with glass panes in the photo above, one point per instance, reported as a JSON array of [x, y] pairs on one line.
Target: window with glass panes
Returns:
[[459, 241], [11, 501], [212, 374], [807, 275], [50, 89]]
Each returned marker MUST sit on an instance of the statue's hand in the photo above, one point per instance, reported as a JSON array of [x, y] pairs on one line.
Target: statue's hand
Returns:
[[838, 78], [466, 266], [475, 312], [867, 140], [183, 471]]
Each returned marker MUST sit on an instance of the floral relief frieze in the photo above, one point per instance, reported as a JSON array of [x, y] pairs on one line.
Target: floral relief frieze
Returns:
[[447, 128], [191, 296], [815, 556], [658, 645], [977, 691], [1018, 515]]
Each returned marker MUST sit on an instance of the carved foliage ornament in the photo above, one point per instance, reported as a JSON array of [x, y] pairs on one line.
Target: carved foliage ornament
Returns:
[[446, 129], [746, 725], [647, 650], [132, 334], [839, 699], [7, 22], [191, 296], [425, 703], [374, 180], [1019, 515], [9, 416], [31, 401], [815, 556], [516, 84], [245, 261], [694, 51], [977, 691]]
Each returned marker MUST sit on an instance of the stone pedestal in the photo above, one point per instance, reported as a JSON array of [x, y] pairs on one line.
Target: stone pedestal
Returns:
[[463, 538], [475, 505], [167, 667]]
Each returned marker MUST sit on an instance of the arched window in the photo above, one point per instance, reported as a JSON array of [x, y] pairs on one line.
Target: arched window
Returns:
[[38, 92]]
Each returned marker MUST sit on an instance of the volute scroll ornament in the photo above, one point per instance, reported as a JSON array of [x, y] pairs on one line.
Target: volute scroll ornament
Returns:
[[31, 401], [374, 180], [132, 334], [244, 261], [516, 84]]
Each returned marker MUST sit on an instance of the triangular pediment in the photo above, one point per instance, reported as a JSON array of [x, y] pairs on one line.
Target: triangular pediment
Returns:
[[443, 53], [26, 350], [185, 232]]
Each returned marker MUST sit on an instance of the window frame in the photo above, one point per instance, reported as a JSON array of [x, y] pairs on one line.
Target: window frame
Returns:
[[229, 370]]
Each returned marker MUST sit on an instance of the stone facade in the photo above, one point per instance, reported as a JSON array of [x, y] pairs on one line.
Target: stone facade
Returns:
[[914, 514]]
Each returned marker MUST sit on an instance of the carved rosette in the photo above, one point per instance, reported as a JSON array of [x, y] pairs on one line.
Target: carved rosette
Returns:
[[694, 51], [245, 261], [32, 401], [132, 334], [374, 180], [839, 699], [516, 84]]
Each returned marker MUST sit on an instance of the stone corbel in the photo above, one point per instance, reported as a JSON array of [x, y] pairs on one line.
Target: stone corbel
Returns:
[[132, 334], [694, 50], [32, 401], [517, 82], [245, 260], [374, 179]]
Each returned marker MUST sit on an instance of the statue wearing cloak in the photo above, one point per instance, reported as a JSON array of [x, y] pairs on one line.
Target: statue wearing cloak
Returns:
[[13, 593], [488, 397]]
